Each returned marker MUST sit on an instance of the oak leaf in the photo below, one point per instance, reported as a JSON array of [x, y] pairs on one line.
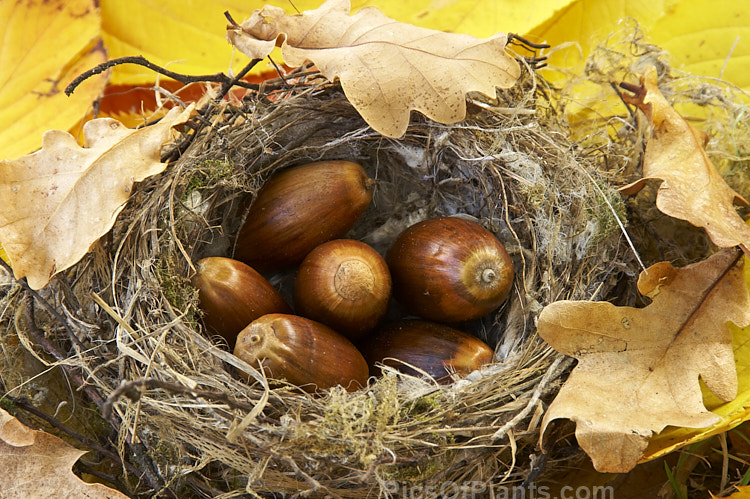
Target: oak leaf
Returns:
[[693, 189], [59, 200], [386, 68], [37, 464], [638, 369]]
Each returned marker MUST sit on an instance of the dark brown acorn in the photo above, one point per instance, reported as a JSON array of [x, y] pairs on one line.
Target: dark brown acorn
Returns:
[[303, 352], [344, 284], [434, 348], [449, 270], [300, 208], [233, 295]]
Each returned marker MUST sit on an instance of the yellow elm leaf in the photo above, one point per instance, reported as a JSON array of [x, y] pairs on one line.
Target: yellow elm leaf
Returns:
[[44, 46], [386, 68], [480, 18], [638, 369], [700, 36], [697, 35], [59, 200], [587, 23], [186, 38], [37, 464]]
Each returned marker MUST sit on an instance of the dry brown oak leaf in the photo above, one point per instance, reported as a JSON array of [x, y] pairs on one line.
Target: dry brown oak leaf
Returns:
[[693, 189], [37, 464], [638, 369], [58, 201], [386, 68]]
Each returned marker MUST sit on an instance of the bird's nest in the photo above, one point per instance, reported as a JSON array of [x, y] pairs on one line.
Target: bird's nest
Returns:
[[125, 320]]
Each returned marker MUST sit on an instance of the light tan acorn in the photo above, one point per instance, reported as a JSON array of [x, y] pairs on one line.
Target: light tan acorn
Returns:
[[434, 348], [300, 208], [233, 295], [303, 352], [449, 270], [344, 284]]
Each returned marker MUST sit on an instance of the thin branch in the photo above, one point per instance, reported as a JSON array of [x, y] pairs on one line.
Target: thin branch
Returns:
[[76, 375], [26, 406], [49, 308], [523, 41], [142, 61], [535, 396], [234, 81]]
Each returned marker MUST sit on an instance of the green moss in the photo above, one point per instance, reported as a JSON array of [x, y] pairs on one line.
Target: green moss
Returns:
[[178, 290], [207, 174], [420, 471], [422, 407], [600, 208], [7, 405]]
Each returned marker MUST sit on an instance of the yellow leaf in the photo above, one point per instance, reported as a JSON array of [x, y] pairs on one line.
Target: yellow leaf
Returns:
[[700, 38], [44, 46], [732, 413], [133, 27], [698, 35], [59, 200], [187, 38], [386, 68], [586, 23], [480, 18], [743, 492]]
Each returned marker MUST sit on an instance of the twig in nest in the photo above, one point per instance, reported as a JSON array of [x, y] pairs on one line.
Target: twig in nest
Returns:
[[72, 372], [391, 459], [538, 465], [142, 61], [49, 308], [235, 81], [132, 390], [535, 396], [316, 485]]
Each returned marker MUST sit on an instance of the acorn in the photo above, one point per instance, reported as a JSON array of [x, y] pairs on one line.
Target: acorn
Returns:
[[449, 270], [303, 352], [300, 208], [434, 348], [344, 284], [233, 295]]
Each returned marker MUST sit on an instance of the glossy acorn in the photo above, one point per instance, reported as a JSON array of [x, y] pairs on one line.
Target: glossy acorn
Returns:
[[436, 349], [449, 270], [344, 284], [232, 295], [300, 208], [303, 352]]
